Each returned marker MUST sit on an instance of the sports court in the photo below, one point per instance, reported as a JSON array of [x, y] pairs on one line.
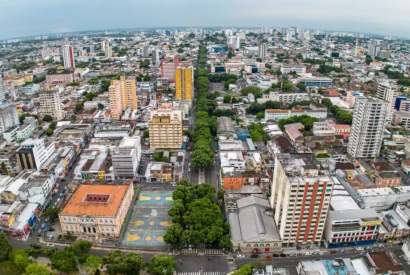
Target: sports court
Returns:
[[149, 221]]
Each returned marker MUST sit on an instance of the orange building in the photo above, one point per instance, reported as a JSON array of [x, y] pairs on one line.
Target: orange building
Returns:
[[232, 180], [97, 210]]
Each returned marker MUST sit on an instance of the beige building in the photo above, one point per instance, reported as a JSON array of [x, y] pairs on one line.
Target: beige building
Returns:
[[97, 210], [23, 79], [123, 94], [165, 127], [50, 103]]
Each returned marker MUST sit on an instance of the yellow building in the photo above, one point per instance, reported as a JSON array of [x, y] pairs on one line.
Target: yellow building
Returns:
[[184, 79], [123, 94], [165, 127], [21, 80]]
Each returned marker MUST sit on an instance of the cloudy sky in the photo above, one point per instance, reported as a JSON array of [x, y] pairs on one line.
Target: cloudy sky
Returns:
[[34, 17]]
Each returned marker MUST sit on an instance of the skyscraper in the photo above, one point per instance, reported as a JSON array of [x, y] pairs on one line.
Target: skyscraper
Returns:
[[234, 42], [123, 94], [387, 92], [2, 89], [373, 50], [301, 194], [262, 50], [68, 57], [108, 51], [50, 103], [369, 119], [184, 83], [155, 57]]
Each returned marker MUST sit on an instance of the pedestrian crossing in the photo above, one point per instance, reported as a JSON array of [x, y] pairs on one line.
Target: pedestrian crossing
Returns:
[[208, 251], [203, 273]]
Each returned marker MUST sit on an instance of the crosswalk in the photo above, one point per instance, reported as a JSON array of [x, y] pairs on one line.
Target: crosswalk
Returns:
[[208, 251], [203, 273]]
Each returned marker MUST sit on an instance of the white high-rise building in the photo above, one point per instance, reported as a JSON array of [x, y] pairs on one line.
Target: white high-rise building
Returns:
[[8, 117], [33, 153], [68, 57], [234, 42], [50, 103], [104, 45], [369, 119], [155, 57], [228, 32], [2, 89], [262, 50], [388, 92], [125, 158], [374, 50]]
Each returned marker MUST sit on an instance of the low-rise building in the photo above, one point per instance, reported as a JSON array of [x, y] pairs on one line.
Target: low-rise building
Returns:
[[97, 210], [125, 158]]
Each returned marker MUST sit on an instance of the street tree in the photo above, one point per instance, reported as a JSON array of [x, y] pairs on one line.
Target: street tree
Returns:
[[5, 247], [37, 269], [161, 264], [34, 250], [19, 257], [63, 261], [47, 118], [52, 213], [94, 261], [80, 249]]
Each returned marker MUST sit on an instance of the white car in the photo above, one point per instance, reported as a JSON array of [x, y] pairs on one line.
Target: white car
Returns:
[[308, 253], [359, 248], [50, 245], [173, 184], [241, 256]]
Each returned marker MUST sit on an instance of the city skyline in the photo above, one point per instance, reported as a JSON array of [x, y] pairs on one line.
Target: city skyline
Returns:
[[48, 17]]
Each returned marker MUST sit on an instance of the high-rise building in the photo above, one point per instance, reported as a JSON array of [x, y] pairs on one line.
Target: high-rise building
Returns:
[[388, 92], [108, 51], [301, 193], [50, 103], [123, 94], [155, 57], [68, 57], [145, 51], [104, 45], [33, 153], [234, 42], [2, 89], [165, 127], [373, 50], [370, 116], [262, 50], [168, 66], [184, 83], [8, 117]]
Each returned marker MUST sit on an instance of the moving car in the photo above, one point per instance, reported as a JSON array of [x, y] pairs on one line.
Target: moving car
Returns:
[[254, 256], [333, 251], [359, 248], [241, 256], [50, 245], [316, 253]]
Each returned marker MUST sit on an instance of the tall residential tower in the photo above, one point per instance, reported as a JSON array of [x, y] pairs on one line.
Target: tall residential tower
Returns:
[[388, 92], [123, 95], [369, 119], [68, 57], [184, 83]]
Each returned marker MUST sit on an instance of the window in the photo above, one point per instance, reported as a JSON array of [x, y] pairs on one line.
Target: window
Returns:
[[255, 245]]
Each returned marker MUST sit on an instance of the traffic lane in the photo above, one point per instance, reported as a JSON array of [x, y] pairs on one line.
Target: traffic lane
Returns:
[[188, 263]]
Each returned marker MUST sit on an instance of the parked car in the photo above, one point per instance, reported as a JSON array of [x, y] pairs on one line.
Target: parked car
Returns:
[[269, 258], [50, 237], [51, 229], [308, 253], [359, 248], [50, 245], [241, 256], [333, 251], [292, 255], [316, 253], [256, 250], [283, 255], [342, 251], [173, 184], [254, 256], [276, 255]]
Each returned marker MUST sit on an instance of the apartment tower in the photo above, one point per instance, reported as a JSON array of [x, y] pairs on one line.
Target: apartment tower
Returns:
[[369, 120], [68, 57], [165, 127], [184, 87], [388, 92], [123, 95], [50, 103], [301, 193]]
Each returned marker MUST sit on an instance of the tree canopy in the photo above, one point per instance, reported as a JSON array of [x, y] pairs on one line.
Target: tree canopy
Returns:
[[161, 264]]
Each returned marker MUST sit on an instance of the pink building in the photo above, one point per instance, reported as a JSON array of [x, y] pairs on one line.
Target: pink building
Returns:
[[97, 210], [351, 98], [61, 76], [168, 66]]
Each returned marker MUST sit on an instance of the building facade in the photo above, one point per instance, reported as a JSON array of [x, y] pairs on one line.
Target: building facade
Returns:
[[387, 92], [97, 210], [263, 47], [33, 153], [301, 193], [125, 158], [165, 127], [370, 116], [123, 94], [8, 117], [68, 57], [184, 83], [50, 103], [168, 67]]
